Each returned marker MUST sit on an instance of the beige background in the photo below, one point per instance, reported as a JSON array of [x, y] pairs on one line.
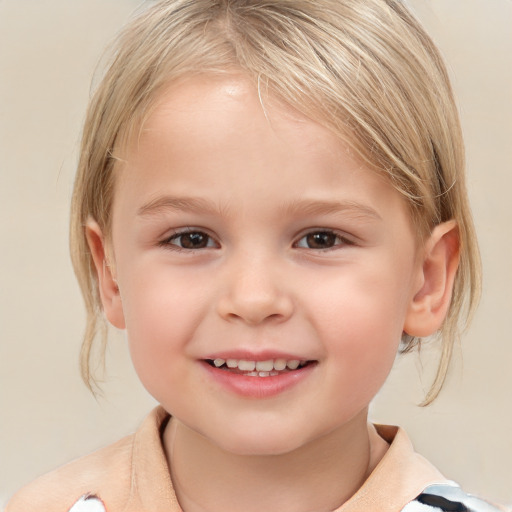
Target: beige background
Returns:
[[48, 51]]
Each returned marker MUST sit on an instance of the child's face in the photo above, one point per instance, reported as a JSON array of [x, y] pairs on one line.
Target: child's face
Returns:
[[249, 235]]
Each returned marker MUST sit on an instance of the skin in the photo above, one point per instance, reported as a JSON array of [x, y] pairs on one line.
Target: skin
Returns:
[[258, 184]]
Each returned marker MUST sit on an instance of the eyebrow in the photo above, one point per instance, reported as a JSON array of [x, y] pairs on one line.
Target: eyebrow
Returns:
[[321, 207], [164, 203], [299, 207]]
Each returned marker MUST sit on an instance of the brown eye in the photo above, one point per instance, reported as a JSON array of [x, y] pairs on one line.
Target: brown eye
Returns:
[[320, 240], [192, 240]]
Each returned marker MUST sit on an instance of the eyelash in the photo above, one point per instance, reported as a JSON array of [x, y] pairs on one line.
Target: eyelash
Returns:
[[335, 238], [168, 242]]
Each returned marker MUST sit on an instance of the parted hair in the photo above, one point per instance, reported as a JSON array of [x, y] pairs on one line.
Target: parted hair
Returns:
[[365, 69]]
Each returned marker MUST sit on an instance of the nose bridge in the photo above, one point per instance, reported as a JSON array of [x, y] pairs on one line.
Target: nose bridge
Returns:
[[255, 289]]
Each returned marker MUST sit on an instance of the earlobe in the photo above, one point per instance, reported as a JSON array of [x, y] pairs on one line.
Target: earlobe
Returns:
[[430, 303], [107, 284]]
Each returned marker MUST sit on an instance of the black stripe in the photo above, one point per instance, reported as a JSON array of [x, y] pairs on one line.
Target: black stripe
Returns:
[[442, 503]]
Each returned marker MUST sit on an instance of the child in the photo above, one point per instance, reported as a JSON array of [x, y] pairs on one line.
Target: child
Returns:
[[270, 200]]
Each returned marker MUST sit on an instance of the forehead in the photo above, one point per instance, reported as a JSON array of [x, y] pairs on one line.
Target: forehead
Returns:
[[207, 110], [216, 106]]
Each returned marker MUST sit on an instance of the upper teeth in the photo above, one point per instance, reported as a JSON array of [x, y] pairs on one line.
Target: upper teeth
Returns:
[[260, 366]]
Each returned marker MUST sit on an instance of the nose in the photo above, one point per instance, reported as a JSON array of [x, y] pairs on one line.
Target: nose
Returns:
[[255, 291]]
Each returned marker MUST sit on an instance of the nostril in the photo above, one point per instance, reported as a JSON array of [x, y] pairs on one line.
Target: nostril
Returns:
[[255, 309]]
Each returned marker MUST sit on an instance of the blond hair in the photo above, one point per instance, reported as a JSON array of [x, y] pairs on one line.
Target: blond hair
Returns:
[[365, 69]]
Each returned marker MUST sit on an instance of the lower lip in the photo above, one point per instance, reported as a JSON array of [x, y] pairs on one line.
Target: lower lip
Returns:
[[258, 387]]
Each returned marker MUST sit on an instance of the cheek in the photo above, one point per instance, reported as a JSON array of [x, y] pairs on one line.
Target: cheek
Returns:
[[361, 318], [162, 312], [364, 303], [362, 352], [364, 347]]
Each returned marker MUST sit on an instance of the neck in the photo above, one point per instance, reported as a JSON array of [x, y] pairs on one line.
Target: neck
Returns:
[[320, 476]]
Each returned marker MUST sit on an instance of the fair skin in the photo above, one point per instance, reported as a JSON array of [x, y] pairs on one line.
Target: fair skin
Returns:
[[254, 235]]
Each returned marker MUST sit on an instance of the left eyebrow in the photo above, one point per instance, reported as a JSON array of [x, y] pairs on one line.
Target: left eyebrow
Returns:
[[306, 207], [165, 203]]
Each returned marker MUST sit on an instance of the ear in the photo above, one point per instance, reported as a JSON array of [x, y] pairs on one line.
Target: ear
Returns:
[[107, 284], [440, 260]]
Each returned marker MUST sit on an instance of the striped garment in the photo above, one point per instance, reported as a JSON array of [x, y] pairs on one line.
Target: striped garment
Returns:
[[447, 497]]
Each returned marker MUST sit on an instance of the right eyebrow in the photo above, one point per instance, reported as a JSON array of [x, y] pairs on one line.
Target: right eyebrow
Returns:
[[165, 203]]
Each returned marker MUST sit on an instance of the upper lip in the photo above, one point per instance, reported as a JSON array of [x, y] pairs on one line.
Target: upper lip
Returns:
[[247, 355]]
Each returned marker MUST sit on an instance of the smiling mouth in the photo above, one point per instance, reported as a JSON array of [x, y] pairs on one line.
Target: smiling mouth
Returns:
[[268, 368]]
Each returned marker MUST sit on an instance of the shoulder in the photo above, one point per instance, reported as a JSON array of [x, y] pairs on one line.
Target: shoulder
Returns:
[[131, 474], [446, 497], [105, 472], [406, 481]]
